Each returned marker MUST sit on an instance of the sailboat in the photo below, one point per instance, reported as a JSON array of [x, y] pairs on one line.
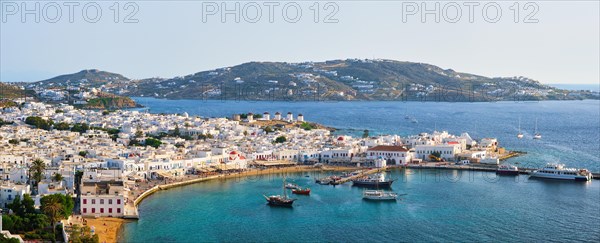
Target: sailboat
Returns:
[[520, 134], [537, 135], [280, 200]]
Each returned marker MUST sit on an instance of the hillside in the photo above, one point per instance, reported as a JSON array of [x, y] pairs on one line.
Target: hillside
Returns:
[[350, 79], [90, 78]]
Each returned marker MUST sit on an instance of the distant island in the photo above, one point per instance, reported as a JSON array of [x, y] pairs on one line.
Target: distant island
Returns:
[[343, 80]]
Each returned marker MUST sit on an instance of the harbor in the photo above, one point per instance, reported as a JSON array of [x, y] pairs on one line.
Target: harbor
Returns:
[[424, 198]]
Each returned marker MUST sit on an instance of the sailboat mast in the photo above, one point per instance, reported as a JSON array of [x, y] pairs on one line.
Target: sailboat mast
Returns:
[[284, 192]]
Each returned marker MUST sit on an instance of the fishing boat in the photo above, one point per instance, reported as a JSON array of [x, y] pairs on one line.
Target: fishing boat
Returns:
[[507, 169], [376, 180], [520, 134], [280, 200], [324, 181], [560, 172], [536, 135], [379, 195], [301, 191], [291, 186]]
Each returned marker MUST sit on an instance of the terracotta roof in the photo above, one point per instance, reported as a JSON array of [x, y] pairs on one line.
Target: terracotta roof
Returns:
[[388, 148]]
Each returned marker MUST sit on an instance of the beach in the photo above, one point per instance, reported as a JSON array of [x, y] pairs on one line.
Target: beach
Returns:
[[106, 228]]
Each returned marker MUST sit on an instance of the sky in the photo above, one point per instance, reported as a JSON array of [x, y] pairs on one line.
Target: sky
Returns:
[[552, 41]]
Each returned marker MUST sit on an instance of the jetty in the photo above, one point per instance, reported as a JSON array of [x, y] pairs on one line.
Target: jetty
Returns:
[[474, 167], [359, 175]]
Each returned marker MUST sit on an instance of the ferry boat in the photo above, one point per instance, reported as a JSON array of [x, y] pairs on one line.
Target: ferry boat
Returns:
[[379, 195], [560, 172], [507, 169], [373, 181]]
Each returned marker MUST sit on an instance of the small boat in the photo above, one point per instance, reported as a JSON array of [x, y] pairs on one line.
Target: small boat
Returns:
[[560, 172], [379, 195], [324, 181], [291, 186], [301, 191], [373, 181], [335, 182], [537, 134], [520, 134], [507, 169], [280, 200]]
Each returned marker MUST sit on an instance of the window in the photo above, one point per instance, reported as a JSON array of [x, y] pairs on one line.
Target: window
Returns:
[[109, 210], [118, 210], [118, 201], [109, 201], [93, 210], [101, 210], [84, 201], [101, 201], [93, 201], [84, 210]]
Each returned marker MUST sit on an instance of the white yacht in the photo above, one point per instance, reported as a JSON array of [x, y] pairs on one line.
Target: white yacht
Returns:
[[379, 195], [559, 171]]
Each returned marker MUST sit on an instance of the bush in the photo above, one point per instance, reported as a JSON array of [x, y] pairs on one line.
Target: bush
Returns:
[[280, 139], [39, 122]]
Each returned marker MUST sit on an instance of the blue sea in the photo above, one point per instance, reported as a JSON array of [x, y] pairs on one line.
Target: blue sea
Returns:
[[461, 206]]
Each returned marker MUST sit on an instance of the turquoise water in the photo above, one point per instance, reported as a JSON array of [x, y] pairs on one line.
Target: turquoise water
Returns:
[[459, 206], [445, 205]]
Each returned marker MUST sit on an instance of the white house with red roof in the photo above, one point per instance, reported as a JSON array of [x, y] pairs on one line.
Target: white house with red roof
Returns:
[[235, 160], [393, 154]]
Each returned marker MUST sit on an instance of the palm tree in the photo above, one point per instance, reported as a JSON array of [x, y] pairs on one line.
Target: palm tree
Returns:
[[53, 209], [37, 170], [57, 177]]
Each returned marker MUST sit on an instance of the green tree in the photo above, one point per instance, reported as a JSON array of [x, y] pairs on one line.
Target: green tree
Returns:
[[245, 133], [57, 177], [39, 122], [36, 170], [13, 141], [365, 133], [56, 207], [80, 127], [138, 132], [153, 142], [176, 132], [3, 239], [52, 208], [268, 129], [62, 126], [83, 153], [280, 139], [306, 126]]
